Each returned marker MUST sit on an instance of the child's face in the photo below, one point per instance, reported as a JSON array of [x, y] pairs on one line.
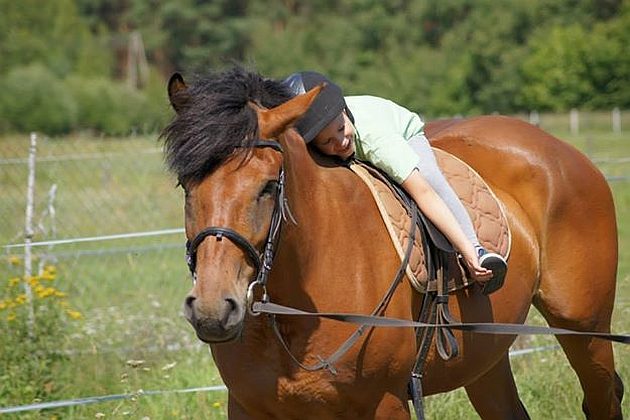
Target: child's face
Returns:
[[337, 138]]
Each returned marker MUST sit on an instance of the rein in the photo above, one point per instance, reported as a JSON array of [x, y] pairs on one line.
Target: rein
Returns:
[[476, 327]]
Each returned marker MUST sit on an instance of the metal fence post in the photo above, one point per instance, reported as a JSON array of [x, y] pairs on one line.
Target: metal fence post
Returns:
[[28, 231], [616, 120], [574, 121]]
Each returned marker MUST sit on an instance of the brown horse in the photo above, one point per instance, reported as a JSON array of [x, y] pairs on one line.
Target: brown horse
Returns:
[[337, 257]]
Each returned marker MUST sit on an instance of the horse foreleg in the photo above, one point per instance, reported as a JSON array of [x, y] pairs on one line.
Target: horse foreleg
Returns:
[[494, 395]]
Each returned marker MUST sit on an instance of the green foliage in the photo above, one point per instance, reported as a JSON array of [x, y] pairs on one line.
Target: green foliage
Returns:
[[572, 67], [29, 351], [438, 57], [554, 70], [114, 108], [51, 33], [33, 99]]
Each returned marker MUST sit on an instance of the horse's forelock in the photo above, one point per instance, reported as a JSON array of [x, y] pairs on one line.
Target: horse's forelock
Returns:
[[217, 121]]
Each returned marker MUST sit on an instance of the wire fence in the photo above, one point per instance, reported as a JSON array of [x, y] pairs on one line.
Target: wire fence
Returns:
[[576, 121], [109, 216], [100, 187], [97, 202], [142, 393]]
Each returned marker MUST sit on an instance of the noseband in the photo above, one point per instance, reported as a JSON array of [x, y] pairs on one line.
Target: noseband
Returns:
[[261, 261]]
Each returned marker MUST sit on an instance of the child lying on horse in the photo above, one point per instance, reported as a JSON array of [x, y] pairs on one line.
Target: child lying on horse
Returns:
[[392, 138]]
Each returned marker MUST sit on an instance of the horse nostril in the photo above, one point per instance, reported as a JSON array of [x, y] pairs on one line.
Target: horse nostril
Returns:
[[232, 304], [233, 313], [189, 301]]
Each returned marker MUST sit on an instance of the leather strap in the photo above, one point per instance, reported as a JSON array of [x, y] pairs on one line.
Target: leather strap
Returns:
[[261, 263], [476, 327], [219, 232]]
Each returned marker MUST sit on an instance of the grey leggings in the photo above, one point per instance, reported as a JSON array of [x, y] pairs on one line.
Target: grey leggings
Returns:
[[430, 170]]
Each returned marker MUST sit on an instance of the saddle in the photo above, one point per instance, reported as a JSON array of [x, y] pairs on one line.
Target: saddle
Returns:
[[485, 211], [431, 264]]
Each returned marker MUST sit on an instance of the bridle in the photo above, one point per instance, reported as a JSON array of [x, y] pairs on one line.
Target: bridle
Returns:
[[262, 266], [261, 261]]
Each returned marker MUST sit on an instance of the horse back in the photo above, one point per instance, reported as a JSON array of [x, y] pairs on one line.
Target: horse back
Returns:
[[514, 155], [566, 200]]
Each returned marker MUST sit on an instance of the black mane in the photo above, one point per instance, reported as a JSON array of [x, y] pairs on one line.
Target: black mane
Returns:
[[216, 120]]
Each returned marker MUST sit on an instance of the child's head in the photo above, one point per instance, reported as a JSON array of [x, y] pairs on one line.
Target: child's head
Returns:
[[328, 122], [337, 138]]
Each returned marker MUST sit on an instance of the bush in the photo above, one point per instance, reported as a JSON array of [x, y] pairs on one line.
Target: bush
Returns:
[[33, 99], [113, 108], [29, 353]]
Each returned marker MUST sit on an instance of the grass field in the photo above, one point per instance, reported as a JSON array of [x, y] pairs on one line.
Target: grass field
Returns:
[[132, 336]]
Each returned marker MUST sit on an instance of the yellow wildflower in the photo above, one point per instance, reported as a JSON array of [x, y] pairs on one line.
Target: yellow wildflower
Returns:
[[3, 305], [14, 281], [74, 314], [46, 292], [59, 294], [50, 269], [33, 281], [20, 299], [15, 260], [216, 404], [46, 275], [11, 316]]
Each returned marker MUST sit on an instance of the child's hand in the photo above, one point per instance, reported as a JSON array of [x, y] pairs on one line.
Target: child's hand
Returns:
[[476, 271]]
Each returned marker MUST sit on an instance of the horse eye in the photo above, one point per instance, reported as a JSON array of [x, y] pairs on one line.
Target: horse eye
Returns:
[[270, 188]]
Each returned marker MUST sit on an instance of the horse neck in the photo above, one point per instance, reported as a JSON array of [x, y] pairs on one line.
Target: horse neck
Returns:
[[325, 204]]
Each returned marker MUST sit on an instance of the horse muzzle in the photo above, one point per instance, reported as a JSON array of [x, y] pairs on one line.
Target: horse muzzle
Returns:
[[221, 322]]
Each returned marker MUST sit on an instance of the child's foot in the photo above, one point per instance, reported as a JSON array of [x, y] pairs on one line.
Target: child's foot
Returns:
[[497, 264]]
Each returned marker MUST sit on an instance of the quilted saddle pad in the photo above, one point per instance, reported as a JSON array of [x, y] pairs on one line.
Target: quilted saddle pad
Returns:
[[485, 210]]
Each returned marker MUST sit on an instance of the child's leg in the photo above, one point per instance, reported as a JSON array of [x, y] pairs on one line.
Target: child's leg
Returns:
[[430, 170]]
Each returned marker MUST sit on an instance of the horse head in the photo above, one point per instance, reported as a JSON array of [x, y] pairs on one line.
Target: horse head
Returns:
[[231, 180]]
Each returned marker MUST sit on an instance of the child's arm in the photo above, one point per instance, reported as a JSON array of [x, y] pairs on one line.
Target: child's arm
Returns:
[[436, 210]]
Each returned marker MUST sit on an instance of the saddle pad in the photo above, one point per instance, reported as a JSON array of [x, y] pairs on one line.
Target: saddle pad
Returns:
[[485, 211]]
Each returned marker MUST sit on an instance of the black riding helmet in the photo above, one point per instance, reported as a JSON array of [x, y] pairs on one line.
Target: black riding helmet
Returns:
[[328, 104]]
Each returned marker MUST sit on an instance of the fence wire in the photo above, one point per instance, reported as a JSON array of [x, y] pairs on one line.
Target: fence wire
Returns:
[[130, 286]]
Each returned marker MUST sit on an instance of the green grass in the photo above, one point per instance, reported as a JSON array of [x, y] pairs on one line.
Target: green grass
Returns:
[[130, 291], [548, 386]]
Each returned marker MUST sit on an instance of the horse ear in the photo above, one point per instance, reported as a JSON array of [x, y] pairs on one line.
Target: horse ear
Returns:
[[272, 122], [178, 92]]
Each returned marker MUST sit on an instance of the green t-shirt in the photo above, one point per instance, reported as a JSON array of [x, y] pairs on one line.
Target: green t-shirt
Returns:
[[383, 129]]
